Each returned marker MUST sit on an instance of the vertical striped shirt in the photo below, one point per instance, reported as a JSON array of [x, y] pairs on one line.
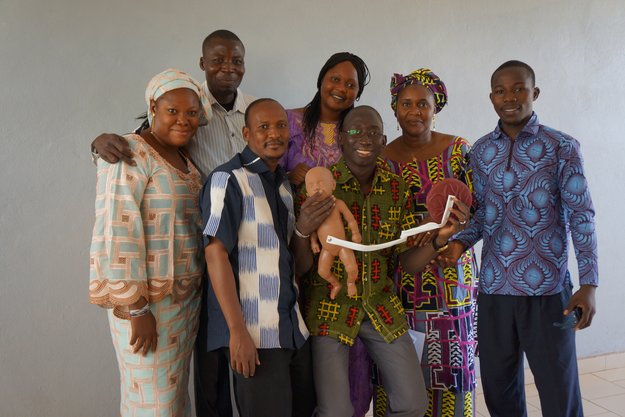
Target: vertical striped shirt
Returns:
[[222, 138], [250, 210]]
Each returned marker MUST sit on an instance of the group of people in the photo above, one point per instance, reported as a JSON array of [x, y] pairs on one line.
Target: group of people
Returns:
[[226, 271]]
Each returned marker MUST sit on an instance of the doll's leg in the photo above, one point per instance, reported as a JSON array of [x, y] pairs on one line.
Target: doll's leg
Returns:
[[324, 269], [351, 267]]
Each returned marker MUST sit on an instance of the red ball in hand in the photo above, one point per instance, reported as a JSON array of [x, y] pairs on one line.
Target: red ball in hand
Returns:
[[437, 197]]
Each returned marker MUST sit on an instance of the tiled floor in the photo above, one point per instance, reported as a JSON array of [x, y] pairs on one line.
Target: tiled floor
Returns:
[[602, 381]]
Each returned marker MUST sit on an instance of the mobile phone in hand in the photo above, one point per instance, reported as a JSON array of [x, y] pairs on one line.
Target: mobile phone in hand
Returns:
[[570, 320]]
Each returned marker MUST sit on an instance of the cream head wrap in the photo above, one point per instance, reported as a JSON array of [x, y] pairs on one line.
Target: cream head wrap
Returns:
[[172, 79]]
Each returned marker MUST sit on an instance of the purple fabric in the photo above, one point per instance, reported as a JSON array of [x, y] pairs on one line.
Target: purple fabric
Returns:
[[360, 387], [323, 150]]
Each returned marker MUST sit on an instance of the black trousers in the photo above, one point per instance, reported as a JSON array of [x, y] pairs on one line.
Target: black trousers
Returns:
[[509, 326], [211, 377], [282, 385]]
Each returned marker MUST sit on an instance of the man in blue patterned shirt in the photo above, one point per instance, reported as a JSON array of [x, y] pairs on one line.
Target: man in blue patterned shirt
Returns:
[[531, 191]]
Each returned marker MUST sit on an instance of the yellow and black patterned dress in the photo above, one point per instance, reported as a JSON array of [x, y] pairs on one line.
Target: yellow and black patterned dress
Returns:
[[441, 302]]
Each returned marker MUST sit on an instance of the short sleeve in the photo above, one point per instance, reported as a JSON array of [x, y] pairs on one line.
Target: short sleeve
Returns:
[[293, 156], [221, 204]]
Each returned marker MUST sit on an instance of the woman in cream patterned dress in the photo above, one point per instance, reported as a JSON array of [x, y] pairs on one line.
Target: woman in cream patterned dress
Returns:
[[145, 260]]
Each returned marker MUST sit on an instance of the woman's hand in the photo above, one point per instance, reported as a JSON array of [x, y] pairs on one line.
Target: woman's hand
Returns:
[[143, 335], [298, 174], [425, 238], [458, 220], [113, 148]]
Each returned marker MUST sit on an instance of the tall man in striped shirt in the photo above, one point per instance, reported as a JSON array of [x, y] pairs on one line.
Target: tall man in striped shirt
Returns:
[[223, 62]]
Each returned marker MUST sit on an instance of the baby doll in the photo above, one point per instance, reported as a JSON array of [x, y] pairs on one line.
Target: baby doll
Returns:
[[320, 180]]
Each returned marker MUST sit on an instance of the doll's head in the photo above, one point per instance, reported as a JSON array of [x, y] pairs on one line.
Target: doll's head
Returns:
[[320, 179]]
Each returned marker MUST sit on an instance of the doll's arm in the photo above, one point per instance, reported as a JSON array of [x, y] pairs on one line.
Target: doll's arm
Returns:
[[315, 244], [350, 219]]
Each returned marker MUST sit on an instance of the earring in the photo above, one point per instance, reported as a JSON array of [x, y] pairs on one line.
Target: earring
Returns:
[[433, 123], [398, 126]]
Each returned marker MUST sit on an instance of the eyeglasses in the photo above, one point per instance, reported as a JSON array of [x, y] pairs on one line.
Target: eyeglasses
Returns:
[[359, 134]]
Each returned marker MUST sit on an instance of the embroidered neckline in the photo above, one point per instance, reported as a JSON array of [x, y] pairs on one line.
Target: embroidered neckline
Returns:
[[193, 173]]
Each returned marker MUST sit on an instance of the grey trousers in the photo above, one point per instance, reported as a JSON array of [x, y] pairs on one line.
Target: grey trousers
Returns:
[[397, 362]]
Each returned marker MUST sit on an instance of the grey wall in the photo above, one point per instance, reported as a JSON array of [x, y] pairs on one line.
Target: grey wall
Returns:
[[72, 69]]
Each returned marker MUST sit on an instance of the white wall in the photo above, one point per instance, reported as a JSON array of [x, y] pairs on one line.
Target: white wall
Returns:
[[72, 69]]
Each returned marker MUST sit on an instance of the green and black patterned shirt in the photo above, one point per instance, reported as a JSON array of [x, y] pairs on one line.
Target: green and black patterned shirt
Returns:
[[381, 215]]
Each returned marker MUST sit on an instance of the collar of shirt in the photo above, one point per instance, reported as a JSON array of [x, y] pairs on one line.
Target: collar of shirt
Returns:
[[530, 129], [343, 175], [256, 165], [239, 101]]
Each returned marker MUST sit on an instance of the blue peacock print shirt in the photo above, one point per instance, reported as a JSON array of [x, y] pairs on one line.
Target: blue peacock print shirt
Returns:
[[531, 192]]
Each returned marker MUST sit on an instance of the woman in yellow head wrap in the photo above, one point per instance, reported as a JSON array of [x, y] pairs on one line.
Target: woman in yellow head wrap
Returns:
[[439, 303]]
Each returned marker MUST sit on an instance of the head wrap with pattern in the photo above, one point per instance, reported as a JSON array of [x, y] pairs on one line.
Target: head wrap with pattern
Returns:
[[424, 77], [172, 79]]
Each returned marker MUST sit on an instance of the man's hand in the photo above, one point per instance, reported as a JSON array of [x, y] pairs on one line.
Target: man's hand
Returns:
[[298, 174], [313, 212], [143, 333], [583, 298], [243, 353], [449, 257], [113, 148]]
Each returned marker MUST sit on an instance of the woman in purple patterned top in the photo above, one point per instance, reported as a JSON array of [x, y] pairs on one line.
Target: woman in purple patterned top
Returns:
[[314, 130], [315, 127]]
